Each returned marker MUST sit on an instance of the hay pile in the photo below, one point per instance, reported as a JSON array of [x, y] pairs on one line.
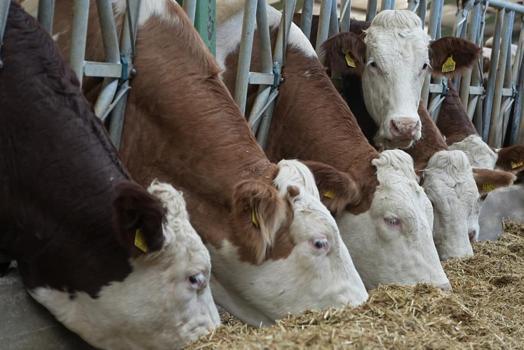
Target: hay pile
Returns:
[[485, 311]]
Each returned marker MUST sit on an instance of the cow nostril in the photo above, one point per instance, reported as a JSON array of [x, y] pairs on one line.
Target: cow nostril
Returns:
[[472, 236]]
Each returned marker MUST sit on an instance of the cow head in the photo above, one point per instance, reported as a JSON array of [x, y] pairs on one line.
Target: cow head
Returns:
[[488, 180], [393, 57], [391, 242], [479, 154], [511, 158], [286, 254], [450, 185], [166, 295]]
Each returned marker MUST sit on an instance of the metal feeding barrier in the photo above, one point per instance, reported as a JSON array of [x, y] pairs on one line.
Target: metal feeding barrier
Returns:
[[494, 104]]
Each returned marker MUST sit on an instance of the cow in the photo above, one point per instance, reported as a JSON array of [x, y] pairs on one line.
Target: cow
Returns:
[[443, 171], [460, 133], [119, 265], [386, 222], [274, 246]]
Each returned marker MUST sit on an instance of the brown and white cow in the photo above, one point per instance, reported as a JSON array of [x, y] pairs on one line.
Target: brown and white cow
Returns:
[[448, 178], [274, 246], [386, 223], [121, 267], [460, 133]]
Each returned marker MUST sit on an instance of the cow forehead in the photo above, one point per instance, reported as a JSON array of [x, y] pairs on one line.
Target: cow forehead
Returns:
[[409, 44]]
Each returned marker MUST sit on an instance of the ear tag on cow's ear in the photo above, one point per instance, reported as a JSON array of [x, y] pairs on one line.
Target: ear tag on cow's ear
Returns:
[[349, 60], [329, 194], [140, 242], [254, 219], [487, 187], [449, 65], [515, 165]]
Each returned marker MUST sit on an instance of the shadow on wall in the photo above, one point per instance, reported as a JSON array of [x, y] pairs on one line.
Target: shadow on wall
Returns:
[[24, 324]]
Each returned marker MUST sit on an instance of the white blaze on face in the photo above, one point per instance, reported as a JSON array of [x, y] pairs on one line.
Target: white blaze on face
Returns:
[[396, 64], [392, 242], [479, 154], [319, 272], [164, 303], [449, 183]]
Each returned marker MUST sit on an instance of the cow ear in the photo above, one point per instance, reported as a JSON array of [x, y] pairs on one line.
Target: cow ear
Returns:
[[258, 213], [450, 56], [344, 54], [511, 158], [137, 219], [337, 189], [488, 180]]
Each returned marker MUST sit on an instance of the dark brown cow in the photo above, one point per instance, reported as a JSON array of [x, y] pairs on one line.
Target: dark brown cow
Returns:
[[387, 223], [91, 245], [260, 220]]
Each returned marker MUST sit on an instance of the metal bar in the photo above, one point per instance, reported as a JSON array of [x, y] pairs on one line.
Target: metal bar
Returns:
[[472, 36], [261, 78], [413, 5], [473, 90], [333, 19], [46, 10], [422, 8], [4, 12], [490, 89], [323, 23], [79, 37], [205, 22], [306, 17], [190, 8], [112, 53], [102, 69], [495, 133], [504, 4], [388, 4], [127, 49], [345, 16], [435, 17], [244, 54], [517, 129], [371, 10]]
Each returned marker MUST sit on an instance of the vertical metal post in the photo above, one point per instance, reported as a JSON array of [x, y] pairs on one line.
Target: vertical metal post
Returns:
[[306, 17], [244, 54], [79, 37], [422, 8], [112, 53], [205, 22], [4, 12], [413, 5], [190, 8], [46, 10], [127, 47], [490, 89], [323, 23], [371, 10], [495, 133], [333, 19], [435, 12], [388, 4], [472, 36], [345, 15]]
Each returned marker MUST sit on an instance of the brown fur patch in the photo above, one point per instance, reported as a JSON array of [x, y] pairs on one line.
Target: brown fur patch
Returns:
[[488, 180], [337, 189], [511, 158], [464, 54], [335, 49], [453, 121], [430, 142], [259, 215]]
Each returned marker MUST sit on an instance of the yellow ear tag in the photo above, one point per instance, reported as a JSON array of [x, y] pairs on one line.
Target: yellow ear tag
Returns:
[[349, 60], [488, 187], [449, 65], [140, 242], [254, 219], [329, 194], [517, 164]]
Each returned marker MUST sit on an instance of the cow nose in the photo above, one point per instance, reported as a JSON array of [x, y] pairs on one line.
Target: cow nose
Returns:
[[472, 235], [404, 127]]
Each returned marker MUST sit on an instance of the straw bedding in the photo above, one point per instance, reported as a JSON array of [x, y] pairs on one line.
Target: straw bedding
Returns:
[[484, 311]]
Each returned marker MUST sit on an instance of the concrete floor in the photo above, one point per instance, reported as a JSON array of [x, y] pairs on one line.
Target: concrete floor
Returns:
[[26, 325]]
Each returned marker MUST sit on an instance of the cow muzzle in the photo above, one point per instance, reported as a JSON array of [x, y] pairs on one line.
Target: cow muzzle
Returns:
[[404, 128]]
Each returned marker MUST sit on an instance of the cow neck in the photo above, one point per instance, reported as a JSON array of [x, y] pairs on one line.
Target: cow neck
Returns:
[[58, 168], [453, 120], [430, 142], [311, 121], [183, 124]]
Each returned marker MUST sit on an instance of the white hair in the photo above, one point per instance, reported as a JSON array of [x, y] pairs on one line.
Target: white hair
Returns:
[[479, 153], [293, 172]]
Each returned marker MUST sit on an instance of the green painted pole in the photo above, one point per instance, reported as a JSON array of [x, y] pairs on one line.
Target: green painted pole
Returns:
[[205, 22]]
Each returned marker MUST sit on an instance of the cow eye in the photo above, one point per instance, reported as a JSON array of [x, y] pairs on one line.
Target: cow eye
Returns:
[[198, 281], [373, 64], [320, 243], [392, 221], [424, 66]]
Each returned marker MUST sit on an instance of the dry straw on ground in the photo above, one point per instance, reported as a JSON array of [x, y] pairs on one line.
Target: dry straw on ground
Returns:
[[485, 311]]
